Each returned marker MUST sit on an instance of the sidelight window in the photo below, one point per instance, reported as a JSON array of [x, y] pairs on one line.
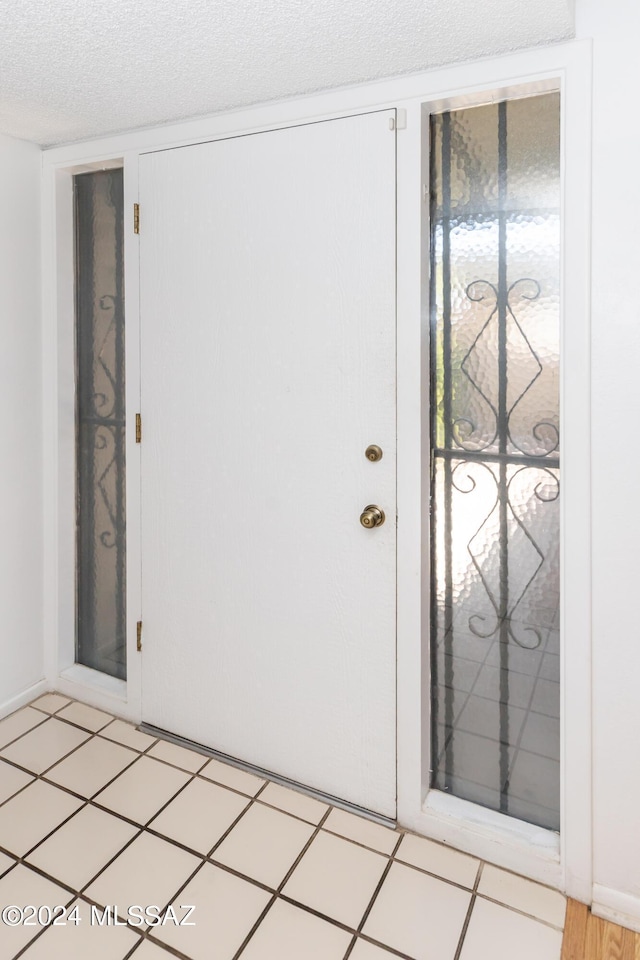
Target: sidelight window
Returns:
[[100, 422], [495, 455]]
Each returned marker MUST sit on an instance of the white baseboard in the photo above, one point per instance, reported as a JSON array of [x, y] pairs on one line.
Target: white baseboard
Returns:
[[622, 908], [31, 693]]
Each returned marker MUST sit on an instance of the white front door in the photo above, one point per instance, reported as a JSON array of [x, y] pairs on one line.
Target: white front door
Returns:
[[268, 367]]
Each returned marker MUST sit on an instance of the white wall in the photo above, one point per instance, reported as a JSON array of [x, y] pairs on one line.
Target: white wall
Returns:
[[615, 27], [21, 637]]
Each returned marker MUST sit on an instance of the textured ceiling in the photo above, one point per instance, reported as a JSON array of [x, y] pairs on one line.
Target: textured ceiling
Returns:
[[71, 69]]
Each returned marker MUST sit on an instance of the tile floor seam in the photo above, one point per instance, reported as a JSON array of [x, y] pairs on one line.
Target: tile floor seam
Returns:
[[288, 812], [41, 773], [241, 876], [101, 733], [169, 950], [254, 928], [43, 776], [351, 947], [40, 933], [55, 830], [384, 946], [94, 800], [223, 837], [435, 876], [181, 887], [374, 896], [105, 866], [78, 726], [358, 843], [47, 713], [297, 860], [36, 869], [64, 789], [89, 802], [519, 876], [385, 873], [35, 777], [218, 783], [175, 765], [467, 919], [281, 885], [98, 735], [317, 913], [523, 913], [24, 733]]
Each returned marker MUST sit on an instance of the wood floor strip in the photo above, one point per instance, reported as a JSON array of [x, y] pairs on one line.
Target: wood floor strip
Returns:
[[595, 938], [591, 938], [630, 944], [575, 931], [613, 942]]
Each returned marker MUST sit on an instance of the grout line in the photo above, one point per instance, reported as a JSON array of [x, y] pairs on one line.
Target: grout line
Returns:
[[105, 866], [255, 926], [44, 777], [317, 913], [522, 913], [373, 899], [350, 948], [392, 951], [41, 932], [50, 713], [467, 919], [284, 880], [33, 780], [10, 743], [295, 863]]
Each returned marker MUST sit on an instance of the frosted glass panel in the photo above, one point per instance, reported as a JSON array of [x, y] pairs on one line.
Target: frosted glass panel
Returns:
[[100, 422], [495, 236]]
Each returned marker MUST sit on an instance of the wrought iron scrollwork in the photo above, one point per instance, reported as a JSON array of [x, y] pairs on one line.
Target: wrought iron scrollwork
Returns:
[[463, 427], [505, 609]]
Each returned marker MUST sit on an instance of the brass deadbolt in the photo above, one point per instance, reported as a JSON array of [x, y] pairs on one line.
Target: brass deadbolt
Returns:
[[373, 453], [372, 516]]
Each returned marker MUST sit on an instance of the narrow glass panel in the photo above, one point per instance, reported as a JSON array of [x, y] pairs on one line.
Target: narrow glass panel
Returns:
[[100, 422], [495, 243]]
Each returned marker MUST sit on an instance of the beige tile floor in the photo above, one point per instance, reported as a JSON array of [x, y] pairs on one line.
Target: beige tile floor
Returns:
[[94, 813]]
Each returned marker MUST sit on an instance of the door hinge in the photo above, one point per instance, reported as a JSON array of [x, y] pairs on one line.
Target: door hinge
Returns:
[[136, 218], [138, 428], [139, 636]]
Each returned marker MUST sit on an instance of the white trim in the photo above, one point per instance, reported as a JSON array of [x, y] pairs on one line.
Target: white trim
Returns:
[[621, 908], [575, 537], [97, 689], [133, 460], [510, 843], [496, 838], [31, 693]]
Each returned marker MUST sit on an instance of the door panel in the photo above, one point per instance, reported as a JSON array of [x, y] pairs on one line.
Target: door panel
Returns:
[[268, 367]]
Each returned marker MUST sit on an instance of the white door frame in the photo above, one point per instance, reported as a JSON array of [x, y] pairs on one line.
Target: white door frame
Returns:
[[500, 839]]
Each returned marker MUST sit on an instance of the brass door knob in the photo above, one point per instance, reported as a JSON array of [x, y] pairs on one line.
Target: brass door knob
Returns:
[[373, 453], [372, 516]]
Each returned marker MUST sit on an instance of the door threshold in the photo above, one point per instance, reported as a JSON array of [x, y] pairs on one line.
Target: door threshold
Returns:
[[268, 775]]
